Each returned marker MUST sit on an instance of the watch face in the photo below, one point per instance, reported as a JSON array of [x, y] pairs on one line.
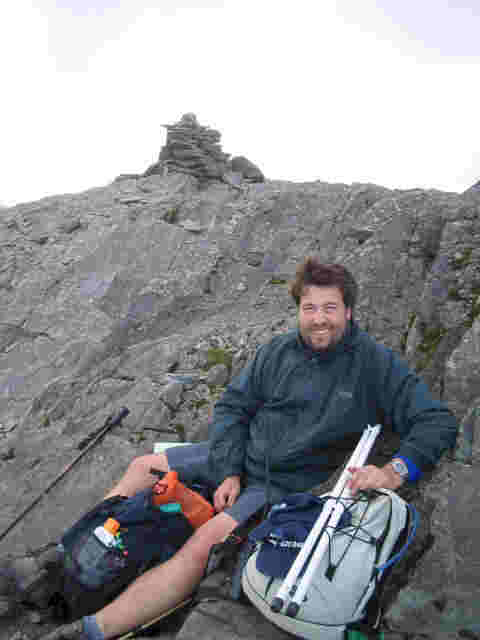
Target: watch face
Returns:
[[400, 467]]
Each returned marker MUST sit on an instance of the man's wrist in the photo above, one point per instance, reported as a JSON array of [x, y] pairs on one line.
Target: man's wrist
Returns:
[[396, 478]]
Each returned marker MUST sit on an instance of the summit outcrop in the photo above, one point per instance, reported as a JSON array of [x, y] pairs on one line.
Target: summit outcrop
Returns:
[[153, 292]]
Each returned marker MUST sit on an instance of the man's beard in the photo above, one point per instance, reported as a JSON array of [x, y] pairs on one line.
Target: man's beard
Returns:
[[335, 336]]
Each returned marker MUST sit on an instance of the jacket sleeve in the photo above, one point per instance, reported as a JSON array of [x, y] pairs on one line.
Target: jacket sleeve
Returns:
[[229, 430], [427, 427]]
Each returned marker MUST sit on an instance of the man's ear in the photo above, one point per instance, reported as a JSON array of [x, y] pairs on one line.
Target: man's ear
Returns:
[[349, 313]]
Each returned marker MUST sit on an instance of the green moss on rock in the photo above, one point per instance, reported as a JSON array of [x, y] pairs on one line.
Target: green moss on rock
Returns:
[[198, 404], [216, 390], [219, 356], [404, 338], [171, 216], [180, 430], [463, 260], [44, 421], [474, 309], [454, 294], [429, 345]]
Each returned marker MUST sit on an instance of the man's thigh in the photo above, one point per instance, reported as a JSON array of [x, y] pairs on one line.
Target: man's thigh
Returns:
[[251, 500], [191, 463]]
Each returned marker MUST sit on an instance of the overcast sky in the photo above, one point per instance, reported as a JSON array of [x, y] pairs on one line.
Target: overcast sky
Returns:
[[383, 91]]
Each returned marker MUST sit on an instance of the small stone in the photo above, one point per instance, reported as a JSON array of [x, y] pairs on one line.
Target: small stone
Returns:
[[70, 226], [254, 258], [247, 169], [7, 606], [41, 238], [238, 362], [8, 453], [34, 617], [172, 394], [26, 572], [191, 225], [218, 375]]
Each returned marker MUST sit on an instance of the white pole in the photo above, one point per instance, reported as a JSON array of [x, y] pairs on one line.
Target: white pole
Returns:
[[331, 514]]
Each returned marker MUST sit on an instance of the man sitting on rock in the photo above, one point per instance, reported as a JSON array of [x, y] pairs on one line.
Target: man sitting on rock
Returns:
[[285, 424]]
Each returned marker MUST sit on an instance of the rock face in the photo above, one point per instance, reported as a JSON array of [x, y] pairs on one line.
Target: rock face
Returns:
[[475, 187], [152, 292]]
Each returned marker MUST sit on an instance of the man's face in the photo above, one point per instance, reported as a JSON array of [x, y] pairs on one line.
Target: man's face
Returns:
[[322, 317]]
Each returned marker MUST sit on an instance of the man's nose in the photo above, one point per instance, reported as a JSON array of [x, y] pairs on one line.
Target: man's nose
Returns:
[[319, 316]]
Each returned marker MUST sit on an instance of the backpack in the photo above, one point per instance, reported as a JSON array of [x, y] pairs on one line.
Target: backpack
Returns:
[[343, 598], [92, 575]]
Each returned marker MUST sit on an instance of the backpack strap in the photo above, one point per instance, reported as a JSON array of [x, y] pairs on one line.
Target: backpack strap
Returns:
[[374, 613]]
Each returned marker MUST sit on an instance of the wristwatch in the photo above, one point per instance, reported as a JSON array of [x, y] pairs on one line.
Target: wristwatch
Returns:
[[400, 467]]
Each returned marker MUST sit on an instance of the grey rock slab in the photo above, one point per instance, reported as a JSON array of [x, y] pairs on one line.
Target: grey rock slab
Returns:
[[440, 591], [79, 490], [468, 441], [464, 515], [228, 621], [461, 368]]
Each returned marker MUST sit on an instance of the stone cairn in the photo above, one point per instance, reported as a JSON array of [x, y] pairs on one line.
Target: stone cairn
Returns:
[[192, 149]]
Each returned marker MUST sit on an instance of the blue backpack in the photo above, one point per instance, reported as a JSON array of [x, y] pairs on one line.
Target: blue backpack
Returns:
[[92, 575]]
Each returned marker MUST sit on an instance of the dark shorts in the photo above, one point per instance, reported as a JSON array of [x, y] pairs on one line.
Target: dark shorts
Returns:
[[191, 464]]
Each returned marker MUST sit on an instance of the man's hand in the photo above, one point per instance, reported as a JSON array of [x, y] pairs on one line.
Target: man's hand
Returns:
[[227, 493], [372, 477]]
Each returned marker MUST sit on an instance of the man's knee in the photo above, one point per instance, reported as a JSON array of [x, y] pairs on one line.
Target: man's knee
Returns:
[[143, 464], [197, 548]]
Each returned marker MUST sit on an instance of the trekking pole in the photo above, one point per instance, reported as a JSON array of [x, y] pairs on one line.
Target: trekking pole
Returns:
[[110, 422], [330, 516]]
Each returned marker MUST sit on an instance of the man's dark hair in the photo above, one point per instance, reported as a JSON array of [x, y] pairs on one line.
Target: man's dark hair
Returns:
[[313, 272]]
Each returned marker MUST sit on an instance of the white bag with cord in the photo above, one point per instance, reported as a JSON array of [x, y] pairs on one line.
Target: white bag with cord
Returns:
[[361, 548]]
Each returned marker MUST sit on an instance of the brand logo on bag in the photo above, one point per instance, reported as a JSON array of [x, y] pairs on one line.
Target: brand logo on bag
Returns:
[[288, 544]]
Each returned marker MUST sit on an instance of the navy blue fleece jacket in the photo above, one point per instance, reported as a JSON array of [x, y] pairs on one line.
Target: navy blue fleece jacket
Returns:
[[300, 412]]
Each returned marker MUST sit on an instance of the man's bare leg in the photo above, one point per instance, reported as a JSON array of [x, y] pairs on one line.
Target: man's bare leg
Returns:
[[164, 586], [138, 476]]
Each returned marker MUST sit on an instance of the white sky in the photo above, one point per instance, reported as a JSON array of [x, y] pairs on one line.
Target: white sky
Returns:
[[383, 91]]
